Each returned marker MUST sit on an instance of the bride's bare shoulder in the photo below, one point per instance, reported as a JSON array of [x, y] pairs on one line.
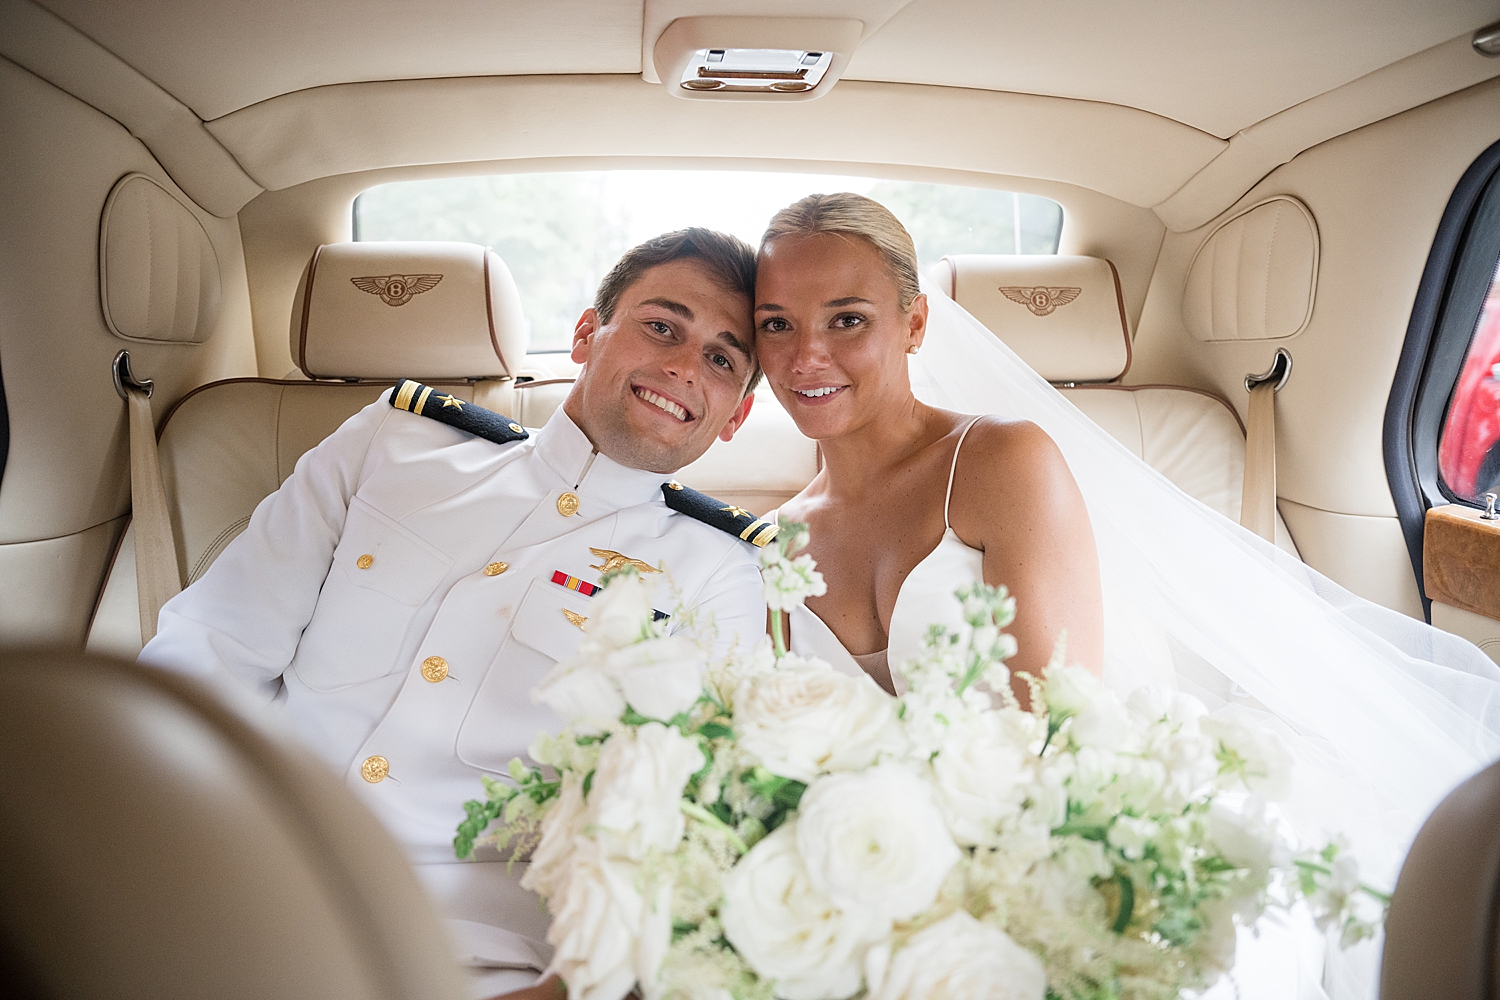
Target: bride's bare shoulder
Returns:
[[1004, 462]]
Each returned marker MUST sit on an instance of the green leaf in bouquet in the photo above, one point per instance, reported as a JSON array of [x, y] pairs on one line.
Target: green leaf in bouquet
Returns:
[[477, 816], [715, 731], [588, 783], [1126, 904]]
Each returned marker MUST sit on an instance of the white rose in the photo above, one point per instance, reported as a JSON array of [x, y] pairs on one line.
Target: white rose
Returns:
[[806, 718], [659, 677], [1257, 756], [960, 958], [581, 695], [787, 930], [875, 842], [620, 614], [547, 875], [981, 780], [636, 796], [1099, 719], [605, 936]]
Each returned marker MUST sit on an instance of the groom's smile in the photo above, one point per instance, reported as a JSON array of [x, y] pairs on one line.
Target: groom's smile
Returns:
[[666, 373]]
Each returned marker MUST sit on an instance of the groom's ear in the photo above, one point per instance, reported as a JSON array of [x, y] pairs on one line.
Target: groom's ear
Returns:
[[583, 335], [737, 418]]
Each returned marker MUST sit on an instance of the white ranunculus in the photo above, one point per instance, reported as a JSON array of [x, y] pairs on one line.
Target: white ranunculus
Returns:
[[581, 694], [1258, 756], [1099, 720], [960, 958], [547, 874], [636, 797], [805, 718], [981, 780], [874, 841], [596, 926], [789, 931], [659, 677]]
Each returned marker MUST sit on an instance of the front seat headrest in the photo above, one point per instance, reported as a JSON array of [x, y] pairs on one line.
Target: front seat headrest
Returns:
[[1064, 315], [425, 310]]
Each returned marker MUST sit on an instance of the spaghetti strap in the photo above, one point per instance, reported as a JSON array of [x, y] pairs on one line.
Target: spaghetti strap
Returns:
[[948, 497]]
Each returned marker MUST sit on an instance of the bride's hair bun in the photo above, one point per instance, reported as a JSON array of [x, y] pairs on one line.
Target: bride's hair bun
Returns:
[[854, 215]]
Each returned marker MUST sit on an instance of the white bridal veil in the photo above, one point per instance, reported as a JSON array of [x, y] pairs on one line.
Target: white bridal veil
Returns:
[[1384, 714]]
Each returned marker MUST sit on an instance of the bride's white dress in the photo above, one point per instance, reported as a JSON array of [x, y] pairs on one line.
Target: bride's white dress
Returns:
[[1384, 714]]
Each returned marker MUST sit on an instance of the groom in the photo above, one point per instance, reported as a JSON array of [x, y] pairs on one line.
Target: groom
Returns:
[[400, 595]]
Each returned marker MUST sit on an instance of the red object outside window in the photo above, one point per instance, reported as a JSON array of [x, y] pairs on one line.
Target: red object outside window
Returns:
[[1469, 454]]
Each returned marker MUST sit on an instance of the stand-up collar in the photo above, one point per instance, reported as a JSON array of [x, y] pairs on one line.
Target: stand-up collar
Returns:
[[566, 450]]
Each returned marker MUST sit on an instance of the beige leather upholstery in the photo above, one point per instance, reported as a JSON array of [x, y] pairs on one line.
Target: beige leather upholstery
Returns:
[[158, 846], [1442, 938], [1065, 315], [1192, 437], [158, 273], [1255, 276], [421, 310]]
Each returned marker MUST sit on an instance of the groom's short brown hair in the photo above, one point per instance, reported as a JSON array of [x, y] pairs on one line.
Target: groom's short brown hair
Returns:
[[729, 259]]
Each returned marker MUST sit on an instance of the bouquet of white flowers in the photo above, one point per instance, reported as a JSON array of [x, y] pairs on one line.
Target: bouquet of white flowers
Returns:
[[765, 826]]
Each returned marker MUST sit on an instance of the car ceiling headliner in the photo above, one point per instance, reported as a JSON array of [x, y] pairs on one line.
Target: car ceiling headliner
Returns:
[[1217, 67]]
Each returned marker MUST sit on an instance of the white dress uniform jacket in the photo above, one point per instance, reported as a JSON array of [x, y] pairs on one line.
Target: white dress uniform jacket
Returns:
[[400, 542]]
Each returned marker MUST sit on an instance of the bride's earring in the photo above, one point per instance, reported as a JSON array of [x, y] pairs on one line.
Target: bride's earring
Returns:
[[912, 349]]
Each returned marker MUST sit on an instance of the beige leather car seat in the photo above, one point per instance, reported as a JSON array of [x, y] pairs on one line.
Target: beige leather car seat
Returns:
[[1065, 316], [155, 845], [365, 315], [1442, 934]]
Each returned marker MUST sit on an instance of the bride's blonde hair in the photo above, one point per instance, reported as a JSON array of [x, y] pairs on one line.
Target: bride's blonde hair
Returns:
[[854, 215]]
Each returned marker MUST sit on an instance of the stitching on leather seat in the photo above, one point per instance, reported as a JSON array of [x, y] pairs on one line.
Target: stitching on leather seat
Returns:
[[215, 548]]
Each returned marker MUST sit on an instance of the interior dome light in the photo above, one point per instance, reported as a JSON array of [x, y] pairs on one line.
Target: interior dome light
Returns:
[[755, 71]]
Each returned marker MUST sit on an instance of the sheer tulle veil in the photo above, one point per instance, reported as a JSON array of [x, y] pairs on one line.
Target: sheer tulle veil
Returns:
[[1385, 714]]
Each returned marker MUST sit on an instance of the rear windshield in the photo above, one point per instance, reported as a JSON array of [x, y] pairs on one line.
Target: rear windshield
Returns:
[[560, 232]]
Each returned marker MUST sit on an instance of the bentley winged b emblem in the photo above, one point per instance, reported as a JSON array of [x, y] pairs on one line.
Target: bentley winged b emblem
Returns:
[[396, 289], [1041, 300]]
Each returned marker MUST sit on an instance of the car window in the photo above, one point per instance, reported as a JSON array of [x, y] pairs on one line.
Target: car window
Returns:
[[560, 232], [1469, 455]]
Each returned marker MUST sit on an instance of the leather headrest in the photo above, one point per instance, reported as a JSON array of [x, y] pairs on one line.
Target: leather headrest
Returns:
[[1064, 315], [426, 310]]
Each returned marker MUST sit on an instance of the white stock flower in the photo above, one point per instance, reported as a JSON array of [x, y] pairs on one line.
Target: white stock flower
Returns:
[[636, 797], [1248, 838], [1252, 753], [788, 582], [547, 875], [605, 936], [981, 780], [806, 718], [789, 931], [1130, 835], [960, 958], [660, 678], [874, 841]]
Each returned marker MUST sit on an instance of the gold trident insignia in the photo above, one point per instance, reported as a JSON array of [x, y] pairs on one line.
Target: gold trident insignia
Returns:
[[614, 561]]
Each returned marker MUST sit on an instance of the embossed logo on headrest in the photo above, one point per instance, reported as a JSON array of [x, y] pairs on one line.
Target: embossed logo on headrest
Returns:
[[1040, 300], [397, 289]]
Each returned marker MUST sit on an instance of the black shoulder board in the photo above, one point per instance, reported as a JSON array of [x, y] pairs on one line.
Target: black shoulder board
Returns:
[[447, 408], [726, 517]]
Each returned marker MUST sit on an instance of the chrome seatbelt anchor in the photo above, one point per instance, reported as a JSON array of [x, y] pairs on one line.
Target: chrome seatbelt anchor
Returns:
[[1489, 508], [1280, 370], [125, 378]]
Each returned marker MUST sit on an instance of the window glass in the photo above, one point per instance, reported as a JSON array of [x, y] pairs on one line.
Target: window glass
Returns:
[[560, 232], [1469, 455]]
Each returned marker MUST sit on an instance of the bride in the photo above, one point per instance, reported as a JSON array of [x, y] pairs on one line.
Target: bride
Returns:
[[1384, 714]]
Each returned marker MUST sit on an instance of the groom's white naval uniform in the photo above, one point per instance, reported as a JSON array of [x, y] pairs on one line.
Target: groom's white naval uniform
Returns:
[[395, 602]]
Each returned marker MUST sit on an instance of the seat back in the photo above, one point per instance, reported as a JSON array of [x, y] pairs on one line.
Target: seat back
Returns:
[[158, 846], [1065, 316], [228, 445], [1442, 934]]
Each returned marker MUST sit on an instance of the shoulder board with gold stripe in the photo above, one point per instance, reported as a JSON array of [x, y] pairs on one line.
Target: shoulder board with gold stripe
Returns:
[[726, 517], [425, 401]]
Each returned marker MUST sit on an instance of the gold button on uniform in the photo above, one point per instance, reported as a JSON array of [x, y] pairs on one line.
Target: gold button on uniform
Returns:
[[496, 568], [365, 561], [567, 504], [434, 669], [515, 428], [375, 769]]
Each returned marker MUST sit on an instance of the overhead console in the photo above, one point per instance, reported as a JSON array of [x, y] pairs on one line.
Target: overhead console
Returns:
[[772, 51]]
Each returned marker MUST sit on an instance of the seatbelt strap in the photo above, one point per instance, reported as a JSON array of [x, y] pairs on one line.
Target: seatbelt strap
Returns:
[[1258, 501], [157, 576]]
